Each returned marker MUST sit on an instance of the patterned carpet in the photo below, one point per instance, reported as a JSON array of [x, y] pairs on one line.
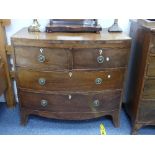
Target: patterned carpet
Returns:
[[10, 125]]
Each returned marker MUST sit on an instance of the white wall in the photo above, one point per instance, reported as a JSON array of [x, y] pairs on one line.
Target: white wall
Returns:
[[17, 24]]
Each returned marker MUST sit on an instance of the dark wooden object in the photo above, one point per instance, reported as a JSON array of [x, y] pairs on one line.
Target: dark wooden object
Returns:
[[5, 53], [140, 92], [72, 76], [3, 83], [73, 25]]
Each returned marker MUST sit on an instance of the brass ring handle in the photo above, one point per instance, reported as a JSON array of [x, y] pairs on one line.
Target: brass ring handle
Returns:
[[98, 81], [44, 103], [96, 103], [100, 59], [41, 58], [42, 81]]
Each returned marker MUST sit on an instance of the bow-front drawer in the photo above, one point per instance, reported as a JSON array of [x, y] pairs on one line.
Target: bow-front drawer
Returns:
[[71, 102], [100, 58], [71, 81], [42, 58], [61, 59]]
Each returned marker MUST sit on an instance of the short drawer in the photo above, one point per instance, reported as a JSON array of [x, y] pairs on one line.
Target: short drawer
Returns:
[[42, 58], [151, 67], [3, 84], [152, 49], [100, 58], [71, 102], [149, 88], [152, 44], [71, 81], [147, 111]]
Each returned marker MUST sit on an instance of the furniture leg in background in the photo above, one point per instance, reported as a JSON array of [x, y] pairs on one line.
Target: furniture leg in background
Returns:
[[5, 56]]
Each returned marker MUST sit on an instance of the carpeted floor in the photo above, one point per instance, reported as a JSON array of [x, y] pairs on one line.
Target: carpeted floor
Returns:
[[10, 125]]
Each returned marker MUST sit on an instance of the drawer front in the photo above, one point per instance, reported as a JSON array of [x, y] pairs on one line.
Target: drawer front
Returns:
[[60, 59], [151, 67], [152, 49], [147, 111], [3, 84], [99, 58], [149, 89], [152, 44], [71, 81], [42, 58], [71, 102]]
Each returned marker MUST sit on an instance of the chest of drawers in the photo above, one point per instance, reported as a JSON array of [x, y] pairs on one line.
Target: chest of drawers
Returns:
[[140, 102], [71, 76]]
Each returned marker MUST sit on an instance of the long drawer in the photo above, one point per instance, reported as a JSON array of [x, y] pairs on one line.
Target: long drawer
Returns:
[[60, 59], [71, 81], [71, 102]]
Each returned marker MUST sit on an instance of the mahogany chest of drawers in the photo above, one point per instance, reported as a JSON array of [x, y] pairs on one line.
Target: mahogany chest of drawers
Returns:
[[140, 100], [71, 76]]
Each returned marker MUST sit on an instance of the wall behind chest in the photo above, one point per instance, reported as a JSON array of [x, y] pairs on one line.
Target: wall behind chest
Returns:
[[17, 24]]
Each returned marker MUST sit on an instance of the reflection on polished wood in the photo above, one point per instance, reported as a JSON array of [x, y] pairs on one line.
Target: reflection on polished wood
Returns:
[[102, 36]]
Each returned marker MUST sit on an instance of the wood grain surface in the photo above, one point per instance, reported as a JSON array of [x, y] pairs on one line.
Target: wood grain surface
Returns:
[[69, 74], [80, 80]]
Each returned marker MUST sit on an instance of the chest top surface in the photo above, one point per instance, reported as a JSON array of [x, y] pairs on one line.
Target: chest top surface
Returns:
[[102, 36]]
